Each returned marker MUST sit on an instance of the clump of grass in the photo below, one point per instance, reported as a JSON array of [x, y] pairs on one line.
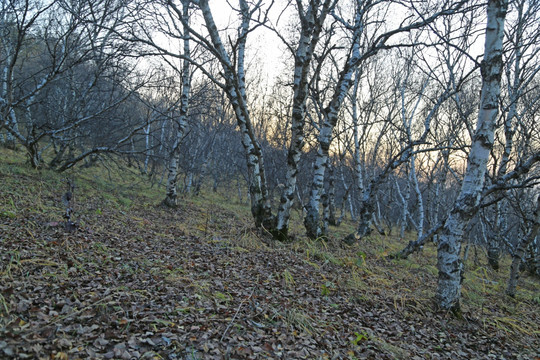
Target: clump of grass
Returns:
[[319, 251], [300, 320], [355, 282], [13, 265], [221, 297], [288, 279], [4, 309], [511, 325]]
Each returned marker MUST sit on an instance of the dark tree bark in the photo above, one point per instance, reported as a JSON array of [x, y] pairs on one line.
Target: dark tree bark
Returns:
[[521, 249]]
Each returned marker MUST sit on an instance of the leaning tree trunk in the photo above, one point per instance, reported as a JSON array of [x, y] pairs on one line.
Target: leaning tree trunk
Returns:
[[260, 202], [520, 252], [449, 263], [181, 125], [235, 90]]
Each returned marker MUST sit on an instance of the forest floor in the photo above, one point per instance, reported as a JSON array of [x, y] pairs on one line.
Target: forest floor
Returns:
[[137, 280]]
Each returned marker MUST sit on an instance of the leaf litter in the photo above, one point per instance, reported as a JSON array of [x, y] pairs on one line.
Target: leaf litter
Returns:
[[153, 283]]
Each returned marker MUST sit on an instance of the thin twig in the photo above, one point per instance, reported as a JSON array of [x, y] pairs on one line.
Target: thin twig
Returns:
[[236, 314]]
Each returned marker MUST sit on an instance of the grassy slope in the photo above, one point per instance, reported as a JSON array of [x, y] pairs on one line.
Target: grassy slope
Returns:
[[137, 280]]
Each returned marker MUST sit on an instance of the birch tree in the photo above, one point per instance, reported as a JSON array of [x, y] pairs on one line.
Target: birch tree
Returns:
[[453, 121], [234, 78], [521, 68], [60, 51], [180, 123], [534, 226], [312, 19], [449, 262], [404, 118], [8, 42], [362, 45], [231, 79], [17, 21]]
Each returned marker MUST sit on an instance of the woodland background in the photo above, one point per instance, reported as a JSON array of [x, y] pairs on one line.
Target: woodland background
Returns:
[[384, 135]]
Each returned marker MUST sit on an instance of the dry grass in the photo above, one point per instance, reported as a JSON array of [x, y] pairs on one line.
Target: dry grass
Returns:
[[362, 269]]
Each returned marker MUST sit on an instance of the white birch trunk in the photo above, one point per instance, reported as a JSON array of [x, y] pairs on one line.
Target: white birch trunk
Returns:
[[259, 192], [311, 25], [3, 107], [357, 160], [404, 206], [448, 252], [181, 124], [236, 92], [9, 120], [147, 145], [172, 176], [514, 91], [330, 115], [311, 221], [419, 199]]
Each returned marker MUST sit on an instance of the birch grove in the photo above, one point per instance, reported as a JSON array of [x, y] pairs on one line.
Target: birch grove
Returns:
[[60, 93], [418, 120]]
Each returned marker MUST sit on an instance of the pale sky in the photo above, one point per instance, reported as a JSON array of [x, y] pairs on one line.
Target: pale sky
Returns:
[[262, 43]]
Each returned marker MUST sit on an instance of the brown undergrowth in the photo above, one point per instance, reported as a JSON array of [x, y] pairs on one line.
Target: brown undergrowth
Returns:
[[137, 280]]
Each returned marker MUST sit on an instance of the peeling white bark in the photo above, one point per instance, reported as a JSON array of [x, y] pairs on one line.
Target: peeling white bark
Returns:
[[448, 252], [419, 199], [236, 93], [330, 115], [311, 23], [181, 123]]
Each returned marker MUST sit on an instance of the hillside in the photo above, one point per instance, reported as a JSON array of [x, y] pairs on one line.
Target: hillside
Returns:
[[137, 280]]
